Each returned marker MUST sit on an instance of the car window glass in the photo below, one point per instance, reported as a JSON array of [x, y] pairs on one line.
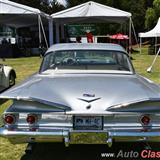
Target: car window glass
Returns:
[[87, 59]]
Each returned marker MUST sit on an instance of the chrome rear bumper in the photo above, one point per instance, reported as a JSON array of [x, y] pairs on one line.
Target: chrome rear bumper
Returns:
[[79, 137]]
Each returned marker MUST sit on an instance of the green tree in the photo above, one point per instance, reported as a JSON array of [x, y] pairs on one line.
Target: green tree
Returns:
[[137, 8], [53, 7], [31, 3], [150, 18], [152, 15], [149, 3], [72, 3]]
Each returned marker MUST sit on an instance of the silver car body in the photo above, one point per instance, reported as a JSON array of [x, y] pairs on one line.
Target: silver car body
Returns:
[[57, 97]]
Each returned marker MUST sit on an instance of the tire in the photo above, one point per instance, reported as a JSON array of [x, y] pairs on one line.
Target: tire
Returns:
[[12, 80]]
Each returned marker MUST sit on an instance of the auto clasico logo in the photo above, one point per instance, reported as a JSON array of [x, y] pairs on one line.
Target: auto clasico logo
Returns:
[[149, 154], [130, 154], [145, 154]]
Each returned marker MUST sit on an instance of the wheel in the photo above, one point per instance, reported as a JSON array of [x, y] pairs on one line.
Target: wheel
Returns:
[[11, 80]]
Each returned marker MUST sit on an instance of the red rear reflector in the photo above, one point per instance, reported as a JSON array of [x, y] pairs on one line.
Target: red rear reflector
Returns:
[[145, 120], [9, 119], [31, 119]]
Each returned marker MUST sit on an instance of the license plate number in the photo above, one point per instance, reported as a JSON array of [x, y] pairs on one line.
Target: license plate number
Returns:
[[88, 123]]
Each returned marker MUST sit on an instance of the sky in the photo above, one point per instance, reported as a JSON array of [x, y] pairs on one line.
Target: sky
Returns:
[[63, 2]]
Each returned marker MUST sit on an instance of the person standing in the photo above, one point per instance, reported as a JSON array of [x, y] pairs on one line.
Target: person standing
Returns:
[[78, 39], [89, 36]]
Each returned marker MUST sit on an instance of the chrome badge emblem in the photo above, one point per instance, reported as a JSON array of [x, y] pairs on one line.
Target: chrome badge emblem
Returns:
[[89, 98], [88, 95]]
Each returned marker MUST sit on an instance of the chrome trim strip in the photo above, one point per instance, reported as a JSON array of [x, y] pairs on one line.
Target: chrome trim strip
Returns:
[[56, 105], [149, 134], [6, 133], [133, 102], [65, 135]]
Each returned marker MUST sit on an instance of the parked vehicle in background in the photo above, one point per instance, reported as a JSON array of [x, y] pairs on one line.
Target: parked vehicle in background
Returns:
[[7, 77], [83, 94]]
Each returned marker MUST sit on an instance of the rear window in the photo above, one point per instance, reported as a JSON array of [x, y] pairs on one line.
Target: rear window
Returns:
[[87, 60]]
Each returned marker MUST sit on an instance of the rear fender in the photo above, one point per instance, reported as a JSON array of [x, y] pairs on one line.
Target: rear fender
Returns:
[[7, 71]]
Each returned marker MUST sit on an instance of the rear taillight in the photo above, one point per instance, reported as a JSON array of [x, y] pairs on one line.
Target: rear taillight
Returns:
[[145, 120], [9, 119], [31, 119]]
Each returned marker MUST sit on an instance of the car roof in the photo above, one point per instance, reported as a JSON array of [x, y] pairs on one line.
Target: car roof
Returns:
[[86, 46]]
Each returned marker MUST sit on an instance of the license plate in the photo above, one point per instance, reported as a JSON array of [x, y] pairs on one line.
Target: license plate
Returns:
[[88, 123], [88, 138]]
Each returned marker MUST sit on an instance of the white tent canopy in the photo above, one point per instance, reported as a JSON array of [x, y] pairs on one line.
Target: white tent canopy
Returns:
[[18, 15], [155, 32], [90, 12], [7, 6]]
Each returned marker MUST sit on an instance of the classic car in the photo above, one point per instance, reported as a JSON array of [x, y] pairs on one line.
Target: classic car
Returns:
[[7, 77], [83, 94]]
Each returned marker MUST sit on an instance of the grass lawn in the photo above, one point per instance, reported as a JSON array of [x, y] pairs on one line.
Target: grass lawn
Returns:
[[143, 61], [27, 66]]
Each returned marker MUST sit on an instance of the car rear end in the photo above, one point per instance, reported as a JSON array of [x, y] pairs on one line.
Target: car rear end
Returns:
[[80, 128]]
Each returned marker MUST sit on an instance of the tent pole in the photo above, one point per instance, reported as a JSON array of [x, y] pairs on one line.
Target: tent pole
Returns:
[[130, 35], [62, 31], [50, 21], [134, 33], [43, 31], [140, 45], [39, 32], [156, 56], [155, 45], [57, 33]]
